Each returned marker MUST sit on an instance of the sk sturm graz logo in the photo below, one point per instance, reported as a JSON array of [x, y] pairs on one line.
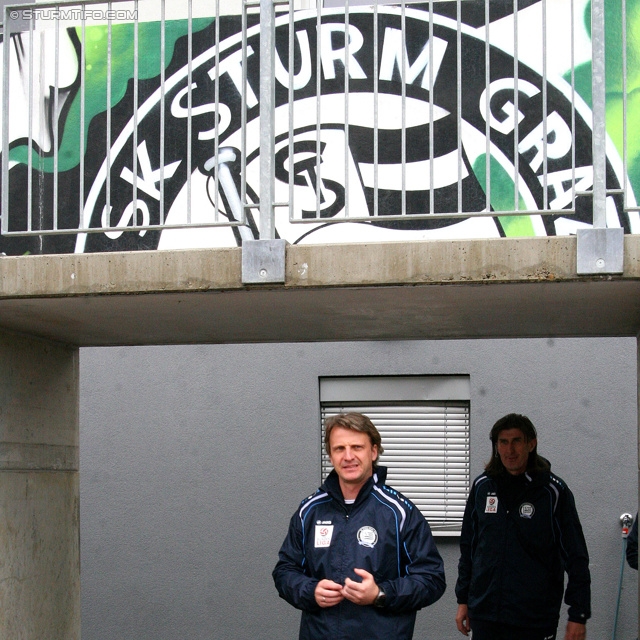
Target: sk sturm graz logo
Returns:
[[439, 161], [527, 510]]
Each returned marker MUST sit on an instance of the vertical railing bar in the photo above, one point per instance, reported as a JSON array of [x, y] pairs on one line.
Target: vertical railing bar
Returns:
[[487, 83], [136, 48], [216, 100], [459, 97], [573, 109], [83, 97], [290, 106], [625, 157], [432, 195], [54, 124], [267, 120], [318, 102], [516, 100], [545, 142], [403, 136], [346, 108], [109, 70], [163, 45], [243, 114], [599, 113], [32, 36], [375, 108], [42, 126], [189, 103], [6, 41]]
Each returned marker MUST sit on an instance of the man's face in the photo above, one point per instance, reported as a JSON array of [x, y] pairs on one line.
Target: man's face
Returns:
[[514, 449], [352, 455]]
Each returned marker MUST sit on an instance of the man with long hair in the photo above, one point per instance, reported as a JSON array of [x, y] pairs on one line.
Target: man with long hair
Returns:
[[520, 534]]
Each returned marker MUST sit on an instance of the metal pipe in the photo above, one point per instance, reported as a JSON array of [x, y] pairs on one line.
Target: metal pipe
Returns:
[[599, 137], [267, 120]]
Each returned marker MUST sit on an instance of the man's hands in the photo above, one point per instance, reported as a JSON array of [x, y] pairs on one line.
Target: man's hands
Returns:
[[364, 592], [329, 593], [575, 631], [462, 619]]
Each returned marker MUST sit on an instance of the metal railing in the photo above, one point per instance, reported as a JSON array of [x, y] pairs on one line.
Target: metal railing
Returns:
[[127, 120]]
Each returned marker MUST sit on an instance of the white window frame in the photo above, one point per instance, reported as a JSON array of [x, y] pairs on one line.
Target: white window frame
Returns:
[[424, 423]]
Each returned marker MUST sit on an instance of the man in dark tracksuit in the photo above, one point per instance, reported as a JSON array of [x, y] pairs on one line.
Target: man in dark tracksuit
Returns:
[[520, 534], [359, 559], [632, 545]]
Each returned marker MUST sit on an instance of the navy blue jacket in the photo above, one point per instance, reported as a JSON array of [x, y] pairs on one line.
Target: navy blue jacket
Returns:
[[383, 533], [513, 560], [632, 545]]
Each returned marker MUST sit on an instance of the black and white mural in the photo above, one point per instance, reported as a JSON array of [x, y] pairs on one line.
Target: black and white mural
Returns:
[[393, 131]]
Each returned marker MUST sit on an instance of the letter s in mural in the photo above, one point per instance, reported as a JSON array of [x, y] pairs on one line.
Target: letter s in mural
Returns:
[[393, 131]]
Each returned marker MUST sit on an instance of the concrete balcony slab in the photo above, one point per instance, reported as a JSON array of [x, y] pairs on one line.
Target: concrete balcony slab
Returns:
[[432, 289]]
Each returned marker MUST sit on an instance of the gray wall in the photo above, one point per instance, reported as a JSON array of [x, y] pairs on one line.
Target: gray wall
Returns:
[[194, 458]]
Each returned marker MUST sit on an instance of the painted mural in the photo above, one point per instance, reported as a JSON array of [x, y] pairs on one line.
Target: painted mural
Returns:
[[440, 163]]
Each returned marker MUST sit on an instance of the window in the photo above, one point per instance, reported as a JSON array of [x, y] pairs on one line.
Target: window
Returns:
[[424, 424]]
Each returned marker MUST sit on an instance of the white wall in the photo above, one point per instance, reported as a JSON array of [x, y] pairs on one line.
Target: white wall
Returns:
[[194, 458]]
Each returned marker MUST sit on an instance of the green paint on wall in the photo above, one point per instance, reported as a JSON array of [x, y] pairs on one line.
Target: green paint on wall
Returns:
[[96, 44], [503, 198]]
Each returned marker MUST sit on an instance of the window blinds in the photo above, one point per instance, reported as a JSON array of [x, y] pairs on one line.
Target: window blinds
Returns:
[[426, 450]]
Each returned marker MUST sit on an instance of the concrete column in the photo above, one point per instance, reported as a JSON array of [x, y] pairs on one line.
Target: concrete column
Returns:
[[39, 490]]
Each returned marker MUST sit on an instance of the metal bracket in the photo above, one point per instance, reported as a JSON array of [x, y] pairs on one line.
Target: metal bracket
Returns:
[[263, 261], [600, 251]]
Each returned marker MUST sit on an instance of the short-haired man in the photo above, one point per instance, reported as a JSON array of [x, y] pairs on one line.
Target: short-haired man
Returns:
[[359, 559], [520, 534]]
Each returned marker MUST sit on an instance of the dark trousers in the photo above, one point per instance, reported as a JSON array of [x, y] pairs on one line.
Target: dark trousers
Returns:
[[495, 631]]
